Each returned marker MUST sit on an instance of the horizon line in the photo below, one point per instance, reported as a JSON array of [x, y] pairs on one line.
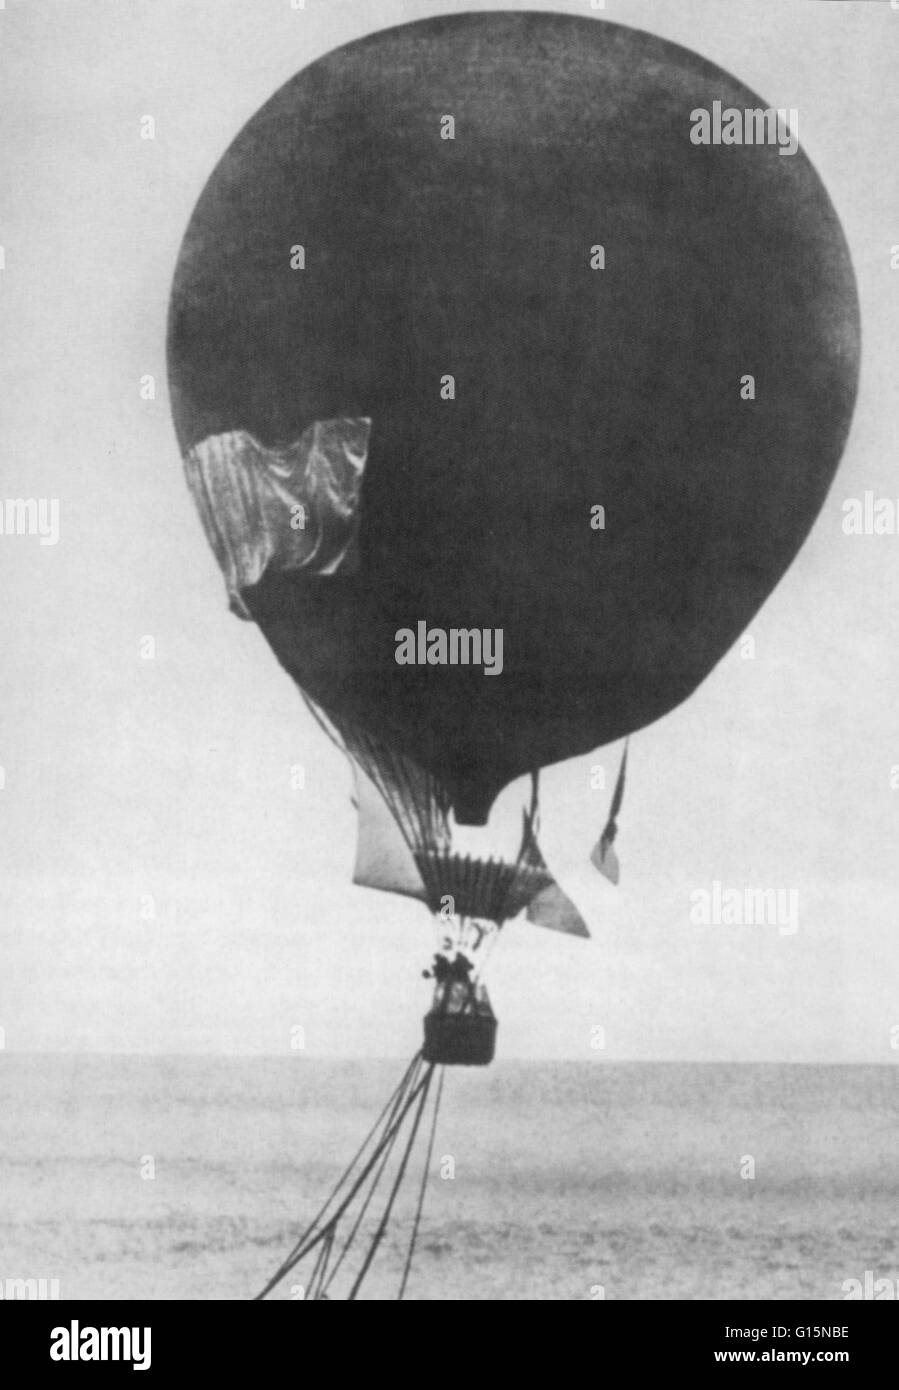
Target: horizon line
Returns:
[[403, 1057]]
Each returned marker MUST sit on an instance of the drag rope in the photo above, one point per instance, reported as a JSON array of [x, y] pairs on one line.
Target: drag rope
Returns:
[[361, 1179]]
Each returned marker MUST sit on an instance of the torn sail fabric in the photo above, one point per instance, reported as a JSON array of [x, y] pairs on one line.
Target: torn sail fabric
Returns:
[[287, 508]]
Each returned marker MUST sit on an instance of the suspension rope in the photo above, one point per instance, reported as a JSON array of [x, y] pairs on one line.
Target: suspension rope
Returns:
[[422, 810], [418, 802]]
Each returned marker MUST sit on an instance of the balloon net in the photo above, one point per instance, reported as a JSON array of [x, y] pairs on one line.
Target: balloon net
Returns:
[[453, 885]]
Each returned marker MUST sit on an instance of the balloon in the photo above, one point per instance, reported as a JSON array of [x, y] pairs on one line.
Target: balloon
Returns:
[[605, 376]]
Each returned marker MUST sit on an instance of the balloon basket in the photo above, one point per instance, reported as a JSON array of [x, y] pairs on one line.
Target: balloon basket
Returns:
[[460, 1027]]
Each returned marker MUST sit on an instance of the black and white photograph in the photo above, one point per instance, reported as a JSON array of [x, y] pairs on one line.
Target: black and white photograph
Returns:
[[449, 729]]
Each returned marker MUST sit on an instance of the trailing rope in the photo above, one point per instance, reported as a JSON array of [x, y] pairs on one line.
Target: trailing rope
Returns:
[[362, 1178], [379, 1234], [425, 1173], [309, 1239], [388, 1149]]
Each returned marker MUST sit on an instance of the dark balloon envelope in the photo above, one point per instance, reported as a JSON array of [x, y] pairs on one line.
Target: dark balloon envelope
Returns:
[[575, 387]]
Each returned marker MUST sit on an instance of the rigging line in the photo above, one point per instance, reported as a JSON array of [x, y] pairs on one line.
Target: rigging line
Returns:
[[407, 799], [437, 804], [426, 808], [367, 754], [286, 1265], [393, 801], [528, 837], [618, 794], [385, 1216], [314, 1240], [424, 1182], [429, 862], [379, 1234], [417, 836], [324, 722], [322, 1291], [375, 774], [353, 744], [529, 830], [388, 1149], [504, 877], [373, 1187], [319, 1269], [382, 1153], [426, 796], [488, 952], [322, 1252], [529, 841], [531, 816], [412, 798], [490, 940]]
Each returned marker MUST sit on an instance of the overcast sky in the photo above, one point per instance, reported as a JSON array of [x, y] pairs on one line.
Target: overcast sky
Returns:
[[162, 888]]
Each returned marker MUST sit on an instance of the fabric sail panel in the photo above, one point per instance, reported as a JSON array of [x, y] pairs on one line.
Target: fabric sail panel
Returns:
[[383, 858], [385, 861], [604, 858], [554, 910]]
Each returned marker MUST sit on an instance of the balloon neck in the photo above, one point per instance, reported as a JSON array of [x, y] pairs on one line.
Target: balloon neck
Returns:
[[471, 804]]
